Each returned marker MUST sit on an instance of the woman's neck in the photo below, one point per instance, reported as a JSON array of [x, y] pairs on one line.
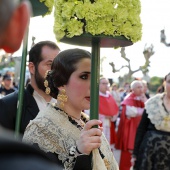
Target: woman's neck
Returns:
[[73, 112]]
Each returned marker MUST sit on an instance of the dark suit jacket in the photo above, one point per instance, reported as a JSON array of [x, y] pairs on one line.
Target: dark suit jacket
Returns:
[[8, 109]]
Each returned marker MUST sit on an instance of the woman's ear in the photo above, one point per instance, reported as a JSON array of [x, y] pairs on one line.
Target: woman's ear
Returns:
[[61, 87], [16, 28]]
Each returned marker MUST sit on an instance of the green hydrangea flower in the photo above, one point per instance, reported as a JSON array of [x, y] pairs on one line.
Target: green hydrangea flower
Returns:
[[106, 17]]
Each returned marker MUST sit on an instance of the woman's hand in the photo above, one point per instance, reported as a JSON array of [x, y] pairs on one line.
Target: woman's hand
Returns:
[[90, 138]]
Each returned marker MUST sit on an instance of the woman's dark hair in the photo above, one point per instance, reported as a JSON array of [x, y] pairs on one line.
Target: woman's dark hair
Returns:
[[62, 68]]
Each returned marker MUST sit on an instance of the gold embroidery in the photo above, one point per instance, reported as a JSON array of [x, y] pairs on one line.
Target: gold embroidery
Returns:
[[166, 119], [106, 162]]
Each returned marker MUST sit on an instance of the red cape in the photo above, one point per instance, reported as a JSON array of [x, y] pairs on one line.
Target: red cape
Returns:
[[107, 106], [127, 127], [130, 101]]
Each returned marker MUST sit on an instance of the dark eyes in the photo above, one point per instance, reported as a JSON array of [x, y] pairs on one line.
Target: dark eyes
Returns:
[[49, 64], [84, 76]]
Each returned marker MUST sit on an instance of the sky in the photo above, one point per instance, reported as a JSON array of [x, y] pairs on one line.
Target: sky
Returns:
[[155, 16]]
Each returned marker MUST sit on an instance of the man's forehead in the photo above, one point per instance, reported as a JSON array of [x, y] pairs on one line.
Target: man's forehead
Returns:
[[49, 53]]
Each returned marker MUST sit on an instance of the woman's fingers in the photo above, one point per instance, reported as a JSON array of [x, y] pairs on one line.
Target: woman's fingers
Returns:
[[95, 139], [91, 123], [90, 137], [94, 132]]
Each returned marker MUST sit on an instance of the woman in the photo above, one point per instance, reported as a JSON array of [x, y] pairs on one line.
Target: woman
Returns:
[[153, 135], [62, 130]]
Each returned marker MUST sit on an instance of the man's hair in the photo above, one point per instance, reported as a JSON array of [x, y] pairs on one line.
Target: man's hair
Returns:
[[135, 83], [35, 53], [6, 9], [101, 78]]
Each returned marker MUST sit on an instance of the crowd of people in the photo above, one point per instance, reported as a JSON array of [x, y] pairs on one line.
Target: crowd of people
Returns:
[[55, 129]]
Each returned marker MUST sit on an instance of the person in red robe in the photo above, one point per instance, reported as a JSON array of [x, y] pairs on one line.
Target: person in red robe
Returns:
[[108, 111], [132, 109]]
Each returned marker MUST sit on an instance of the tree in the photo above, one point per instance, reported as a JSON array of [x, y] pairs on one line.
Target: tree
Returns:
[[147, 52], [163, 38], [155, 83]]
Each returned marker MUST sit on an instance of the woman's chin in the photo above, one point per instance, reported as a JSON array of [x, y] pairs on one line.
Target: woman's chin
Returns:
[[87, 107]]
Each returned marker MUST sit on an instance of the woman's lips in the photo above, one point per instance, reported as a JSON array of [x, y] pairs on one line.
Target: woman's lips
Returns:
[[87, 98]]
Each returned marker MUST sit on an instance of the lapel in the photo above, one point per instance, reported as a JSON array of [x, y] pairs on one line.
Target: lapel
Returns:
[[32, 107]]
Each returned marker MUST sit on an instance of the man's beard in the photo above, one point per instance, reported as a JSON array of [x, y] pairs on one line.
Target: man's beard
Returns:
[[39, 80]]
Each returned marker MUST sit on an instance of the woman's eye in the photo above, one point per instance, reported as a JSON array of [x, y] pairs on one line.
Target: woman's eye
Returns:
[[84, 77]]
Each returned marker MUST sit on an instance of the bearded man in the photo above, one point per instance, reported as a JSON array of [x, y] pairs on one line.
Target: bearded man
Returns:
[[41, 56]]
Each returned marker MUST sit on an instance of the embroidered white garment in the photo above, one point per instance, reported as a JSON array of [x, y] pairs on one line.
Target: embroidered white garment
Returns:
[[157, 113], [54, 133]]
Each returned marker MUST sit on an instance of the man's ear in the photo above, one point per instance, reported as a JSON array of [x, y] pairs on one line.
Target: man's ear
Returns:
[[16, 28], [31, 68]]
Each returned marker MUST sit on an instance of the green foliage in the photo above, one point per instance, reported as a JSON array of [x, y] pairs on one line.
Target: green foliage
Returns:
[[155, 82]]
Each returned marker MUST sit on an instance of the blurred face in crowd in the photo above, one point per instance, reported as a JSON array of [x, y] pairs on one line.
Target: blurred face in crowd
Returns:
[[127, 87], [7, 83], [114, 87], [138, 89], [104, 85]]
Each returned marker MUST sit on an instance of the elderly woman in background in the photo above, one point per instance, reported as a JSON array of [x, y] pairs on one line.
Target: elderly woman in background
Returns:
[[63, 131], [152, 142]]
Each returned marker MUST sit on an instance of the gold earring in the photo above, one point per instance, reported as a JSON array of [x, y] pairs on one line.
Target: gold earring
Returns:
[[46, 73], [47, 89], [62, 98]]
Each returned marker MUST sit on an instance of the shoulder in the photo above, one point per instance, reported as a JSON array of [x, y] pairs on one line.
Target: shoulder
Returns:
[[13, 97], [43, 118], [155, 99]]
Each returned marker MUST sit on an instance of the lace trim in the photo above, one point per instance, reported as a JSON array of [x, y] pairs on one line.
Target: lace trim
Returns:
[[157, 113], [52, 131]]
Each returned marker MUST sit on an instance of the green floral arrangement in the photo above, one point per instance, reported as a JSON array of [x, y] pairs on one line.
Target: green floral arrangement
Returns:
[[98, 17], [49, 4]]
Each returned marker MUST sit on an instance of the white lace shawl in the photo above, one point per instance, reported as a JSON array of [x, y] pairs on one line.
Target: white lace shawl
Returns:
[[157, 113], [53, 132]]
